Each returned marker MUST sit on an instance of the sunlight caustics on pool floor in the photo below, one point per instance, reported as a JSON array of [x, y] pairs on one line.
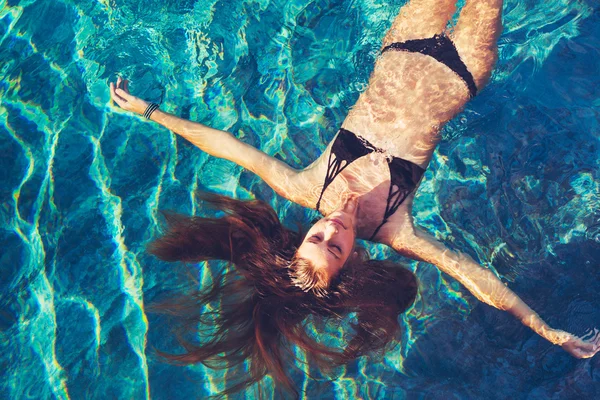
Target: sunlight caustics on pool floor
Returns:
[[515, 184]]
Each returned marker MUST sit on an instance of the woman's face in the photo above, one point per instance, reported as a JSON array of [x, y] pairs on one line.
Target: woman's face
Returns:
[[330, 241]]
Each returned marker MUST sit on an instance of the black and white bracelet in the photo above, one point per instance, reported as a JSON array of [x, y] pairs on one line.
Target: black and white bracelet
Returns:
[[150, 109]]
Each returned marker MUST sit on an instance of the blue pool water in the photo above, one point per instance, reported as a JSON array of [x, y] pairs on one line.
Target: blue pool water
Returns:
[[516, 184]]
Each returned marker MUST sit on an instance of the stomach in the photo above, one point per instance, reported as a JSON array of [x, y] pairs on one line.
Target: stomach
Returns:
[[409, 98]]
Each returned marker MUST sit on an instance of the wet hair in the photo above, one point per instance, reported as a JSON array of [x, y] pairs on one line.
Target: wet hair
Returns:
[[308, 278], [253, 311]]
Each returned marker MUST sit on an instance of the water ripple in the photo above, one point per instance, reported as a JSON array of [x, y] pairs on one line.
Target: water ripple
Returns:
[[513, 184]]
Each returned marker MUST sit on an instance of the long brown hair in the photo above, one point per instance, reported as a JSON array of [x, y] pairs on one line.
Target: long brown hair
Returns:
[[260, 311]]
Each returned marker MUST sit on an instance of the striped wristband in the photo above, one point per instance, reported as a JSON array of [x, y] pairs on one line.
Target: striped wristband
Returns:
[[150, 109]]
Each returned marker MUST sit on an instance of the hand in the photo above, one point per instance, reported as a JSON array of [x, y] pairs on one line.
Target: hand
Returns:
[[585, 347], [119, 92]]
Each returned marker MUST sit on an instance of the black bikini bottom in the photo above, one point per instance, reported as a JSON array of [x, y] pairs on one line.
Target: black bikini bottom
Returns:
[[442, 49]]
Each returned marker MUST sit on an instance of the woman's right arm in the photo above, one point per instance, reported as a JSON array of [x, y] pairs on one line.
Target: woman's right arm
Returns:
[[277, 174]]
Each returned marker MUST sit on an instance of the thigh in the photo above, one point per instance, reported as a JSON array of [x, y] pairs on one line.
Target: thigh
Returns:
[[420, 19], [475, 37]]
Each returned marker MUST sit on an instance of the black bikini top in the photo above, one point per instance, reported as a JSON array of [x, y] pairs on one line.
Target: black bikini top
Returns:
[[404, 175]]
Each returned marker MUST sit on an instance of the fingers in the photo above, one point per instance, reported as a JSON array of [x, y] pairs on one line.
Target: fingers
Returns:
[[590, 334], [123, 84], [120, 91], [123, 94], [593, 336], [596, 342], [113, 94], [588, 345]]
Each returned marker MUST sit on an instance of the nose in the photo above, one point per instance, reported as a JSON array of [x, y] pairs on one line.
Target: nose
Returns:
[[330, 230]]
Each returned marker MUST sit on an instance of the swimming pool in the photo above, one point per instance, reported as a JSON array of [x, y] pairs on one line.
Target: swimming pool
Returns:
[[516, 185]]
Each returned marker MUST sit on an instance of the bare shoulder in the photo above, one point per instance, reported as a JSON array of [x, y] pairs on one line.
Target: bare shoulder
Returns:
[[414, 242], [308, 182]]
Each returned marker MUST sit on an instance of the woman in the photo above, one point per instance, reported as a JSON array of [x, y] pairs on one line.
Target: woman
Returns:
[[364, 183]]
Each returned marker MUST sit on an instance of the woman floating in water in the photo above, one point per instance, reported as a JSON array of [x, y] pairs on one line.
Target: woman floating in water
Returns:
[[364, 183]]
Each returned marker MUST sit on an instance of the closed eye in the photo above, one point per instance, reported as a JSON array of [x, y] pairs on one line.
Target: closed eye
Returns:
[[337, 248], [316, 239]]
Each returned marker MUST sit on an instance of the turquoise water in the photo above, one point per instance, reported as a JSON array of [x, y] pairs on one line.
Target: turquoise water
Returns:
[[515, 184]]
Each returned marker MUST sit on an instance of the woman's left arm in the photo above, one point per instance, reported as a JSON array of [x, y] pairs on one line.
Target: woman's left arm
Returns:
[[486, 286]]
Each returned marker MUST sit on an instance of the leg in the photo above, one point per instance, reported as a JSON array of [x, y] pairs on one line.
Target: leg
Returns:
[[475, 37], [420, 19]]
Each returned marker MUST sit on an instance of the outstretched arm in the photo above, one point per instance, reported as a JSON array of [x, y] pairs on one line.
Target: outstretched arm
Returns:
[[277, 174], [484, 285]]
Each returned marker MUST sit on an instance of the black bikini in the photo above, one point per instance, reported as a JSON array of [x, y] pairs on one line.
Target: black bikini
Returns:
[[404, 175], [442, 49]]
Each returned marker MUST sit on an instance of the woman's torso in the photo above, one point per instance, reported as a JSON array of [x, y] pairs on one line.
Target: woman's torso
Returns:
[[409, 98]]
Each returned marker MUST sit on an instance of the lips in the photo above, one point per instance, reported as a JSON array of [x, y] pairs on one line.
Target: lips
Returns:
[[338, 221]]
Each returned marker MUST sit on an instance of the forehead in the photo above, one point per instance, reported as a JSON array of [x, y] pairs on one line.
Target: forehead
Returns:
[[316, 254]]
